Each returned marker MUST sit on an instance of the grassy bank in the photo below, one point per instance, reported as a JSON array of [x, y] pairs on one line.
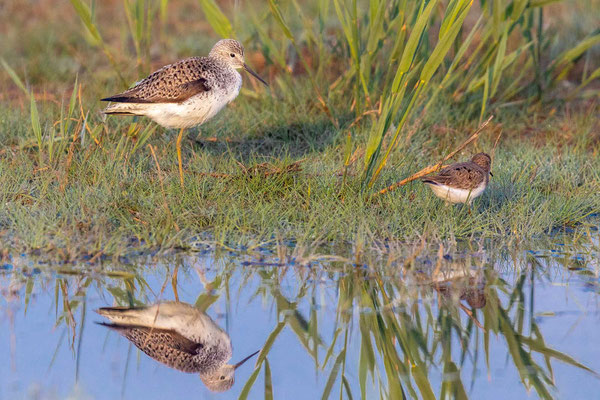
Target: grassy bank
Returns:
[[259, 183], [274, 164]]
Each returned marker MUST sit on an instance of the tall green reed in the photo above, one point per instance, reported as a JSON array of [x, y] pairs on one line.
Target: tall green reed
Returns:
[[510, 44], [216, 18], [401, 39], [92, 34], [51, 141], [141, 17], [413, 75]]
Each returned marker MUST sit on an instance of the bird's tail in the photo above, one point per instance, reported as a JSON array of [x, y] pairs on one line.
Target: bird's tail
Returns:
[[117, 113], [124, 109], [121, 314], [429, 182], [115, 327]]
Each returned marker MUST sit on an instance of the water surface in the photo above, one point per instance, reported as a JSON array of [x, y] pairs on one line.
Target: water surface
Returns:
[[469, 320]]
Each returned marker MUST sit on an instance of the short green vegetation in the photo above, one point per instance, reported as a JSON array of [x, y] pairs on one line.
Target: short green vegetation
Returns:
[[304, 159]]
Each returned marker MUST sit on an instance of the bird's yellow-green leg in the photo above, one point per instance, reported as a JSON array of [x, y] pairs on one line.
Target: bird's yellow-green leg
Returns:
[[178, 144]]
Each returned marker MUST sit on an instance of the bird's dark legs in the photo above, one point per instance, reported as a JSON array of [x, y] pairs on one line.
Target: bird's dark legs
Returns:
[[178, 144]]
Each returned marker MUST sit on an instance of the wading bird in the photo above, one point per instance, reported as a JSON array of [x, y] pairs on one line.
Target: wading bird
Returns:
[[462, 182], [187, 93], [179, 336]]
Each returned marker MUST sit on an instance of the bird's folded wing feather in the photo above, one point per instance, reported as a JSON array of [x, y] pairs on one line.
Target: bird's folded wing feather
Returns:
[[460, 175], [141, 334], [172, 83], [167, 347]]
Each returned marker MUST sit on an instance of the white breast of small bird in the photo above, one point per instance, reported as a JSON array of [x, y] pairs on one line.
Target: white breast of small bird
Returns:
[[455, 195], [452, 273], [197, 109]]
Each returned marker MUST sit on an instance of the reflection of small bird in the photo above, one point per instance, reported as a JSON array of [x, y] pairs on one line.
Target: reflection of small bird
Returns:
[[179, 336], [188, 92], [475, 297], [464, 282], [462, 182]]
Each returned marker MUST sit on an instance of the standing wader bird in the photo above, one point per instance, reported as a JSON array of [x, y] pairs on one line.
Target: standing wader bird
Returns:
[[187, 93]]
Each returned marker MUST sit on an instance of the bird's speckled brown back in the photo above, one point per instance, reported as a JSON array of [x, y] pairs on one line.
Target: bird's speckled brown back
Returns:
[[172, 349], [466, 175], [178, 82]]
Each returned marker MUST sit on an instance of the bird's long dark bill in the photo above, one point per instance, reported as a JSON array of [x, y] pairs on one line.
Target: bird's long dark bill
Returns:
[[245, 359], [254, 74]]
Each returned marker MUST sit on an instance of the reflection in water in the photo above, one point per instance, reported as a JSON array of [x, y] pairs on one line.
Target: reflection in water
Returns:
[[350, 323], [457, 281], [179, 336]]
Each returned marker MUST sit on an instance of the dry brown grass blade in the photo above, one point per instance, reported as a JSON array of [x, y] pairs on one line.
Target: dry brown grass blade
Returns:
[[364, 114], [411, 259], [432, 168], [67, 307], [470, 315], [496, 144]]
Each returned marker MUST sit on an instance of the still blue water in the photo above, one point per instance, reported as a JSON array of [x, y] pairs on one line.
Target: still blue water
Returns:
[[520, 323]]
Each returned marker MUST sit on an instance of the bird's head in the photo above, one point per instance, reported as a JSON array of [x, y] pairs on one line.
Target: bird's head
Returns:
[[483, 160], [232, 53], [476, 298], [222, 378]]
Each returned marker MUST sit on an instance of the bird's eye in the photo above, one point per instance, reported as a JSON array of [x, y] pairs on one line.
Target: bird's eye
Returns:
[[232, 55], [222, 378]]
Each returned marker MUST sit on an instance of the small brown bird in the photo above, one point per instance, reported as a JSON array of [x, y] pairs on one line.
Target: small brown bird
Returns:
[[179, 336], [462, 182]]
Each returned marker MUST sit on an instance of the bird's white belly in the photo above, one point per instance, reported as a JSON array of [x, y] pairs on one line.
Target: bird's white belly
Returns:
[[454, 195], [194, 111]]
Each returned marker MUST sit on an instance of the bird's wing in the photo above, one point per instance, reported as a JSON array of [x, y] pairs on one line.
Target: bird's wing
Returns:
[[460, 175], [165, 346], [172, 83], [169, 338]]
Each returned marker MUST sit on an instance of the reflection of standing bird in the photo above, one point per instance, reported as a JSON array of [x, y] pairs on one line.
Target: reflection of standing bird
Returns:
[[179, 336], [188, 92], [462, 182]]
